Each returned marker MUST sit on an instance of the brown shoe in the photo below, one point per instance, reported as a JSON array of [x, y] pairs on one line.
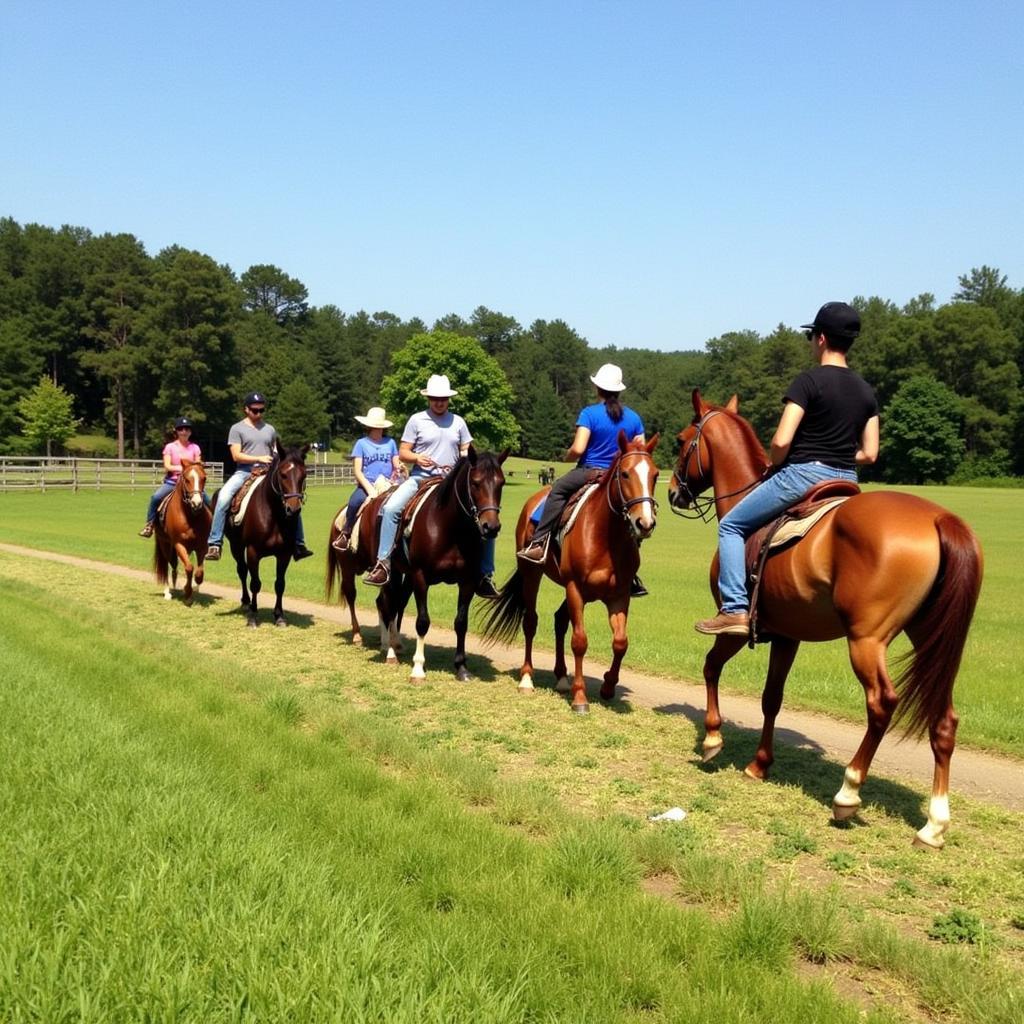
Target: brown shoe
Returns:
[[536, 551], [301, 552], [147, 530], [729, 623], [378, 575], [340, 543], [486, 588]]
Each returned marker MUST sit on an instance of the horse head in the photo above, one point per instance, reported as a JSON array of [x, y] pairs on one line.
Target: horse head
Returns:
[[193, 483], [288, 477], [476, 482], [632, 477]]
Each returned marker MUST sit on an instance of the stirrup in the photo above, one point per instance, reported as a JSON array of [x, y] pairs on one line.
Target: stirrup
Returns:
[[544, 543]]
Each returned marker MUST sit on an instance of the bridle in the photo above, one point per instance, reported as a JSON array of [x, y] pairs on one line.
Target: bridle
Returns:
[[698, 507], [473, 511], [188, 494], [276, 486], [624, 503]]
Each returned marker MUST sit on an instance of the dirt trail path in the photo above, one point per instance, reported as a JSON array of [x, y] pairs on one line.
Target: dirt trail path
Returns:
[[989, 777]]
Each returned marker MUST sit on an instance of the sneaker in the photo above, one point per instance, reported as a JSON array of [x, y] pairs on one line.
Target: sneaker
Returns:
[[378, 575], [486, 588], [147, 530], [729, 623], [637, 588], [213, 553], [536, 551], [301, 552]]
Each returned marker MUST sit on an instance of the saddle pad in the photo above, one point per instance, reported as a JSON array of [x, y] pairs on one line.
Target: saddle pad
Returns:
[[161, 512], [585, 494], [793, 529], [244, 503], [339, 520], [416, 501]]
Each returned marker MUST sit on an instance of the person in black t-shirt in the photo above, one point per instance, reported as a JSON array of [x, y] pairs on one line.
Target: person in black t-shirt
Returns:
[[829, 426]]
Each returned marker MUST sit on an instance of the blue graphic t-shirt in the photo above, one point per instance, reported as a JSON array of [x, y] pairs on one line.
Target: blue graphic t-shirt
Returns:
[[376, 456], [604, 434]]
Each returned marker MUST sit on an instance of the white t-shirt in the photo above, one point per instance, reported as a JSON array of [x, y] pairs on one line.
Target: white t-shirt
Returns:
[[440, 437]]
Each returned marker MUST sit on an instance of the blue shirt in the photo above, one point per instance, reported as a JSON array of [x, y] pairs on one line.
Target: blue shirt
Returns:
[[376, 457], [603, 445]]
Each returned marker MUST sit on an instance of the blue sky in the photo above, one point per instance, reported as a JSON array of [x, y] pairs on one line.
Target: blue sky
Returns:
[[653, 173]]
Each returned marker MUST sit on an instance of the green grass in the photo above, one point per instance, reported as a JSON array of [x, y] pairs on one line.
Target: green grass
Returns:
[[675, 567]]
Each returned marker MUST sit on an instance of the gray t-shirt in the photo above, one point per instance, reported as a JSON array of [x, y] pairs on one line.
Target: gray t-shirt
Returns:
[[253, 440], [440, 437]]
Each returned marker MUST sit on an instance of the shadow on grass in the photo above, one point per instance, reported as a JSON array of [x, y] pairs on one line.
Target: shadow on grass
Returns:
[[265, 615]]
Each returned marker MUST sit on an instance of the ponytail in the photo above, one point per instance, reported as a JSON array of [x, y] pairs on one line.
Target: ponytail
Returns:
[[612, 405]]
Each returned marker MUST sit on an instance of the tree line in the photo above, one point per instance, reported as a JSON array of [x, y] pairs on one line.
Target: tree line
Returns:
[[131, 341]]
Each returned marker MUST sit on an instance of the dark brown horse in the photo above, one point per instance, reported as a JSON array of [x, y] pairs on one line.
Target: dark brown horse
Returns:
[[881, 563], [598, 560], [450, 526], [184, 530], [269, 528]]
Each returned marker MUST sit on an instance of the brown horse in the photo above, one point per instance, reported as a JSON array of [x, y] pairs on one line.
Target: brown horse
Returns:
[[269, 528], [881, 563], [598, 560], [184, 530], [446, 545]]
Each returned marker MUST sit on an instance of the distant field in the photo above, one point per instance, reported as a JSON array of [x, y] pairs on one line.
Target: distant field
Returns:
[[990, 689]]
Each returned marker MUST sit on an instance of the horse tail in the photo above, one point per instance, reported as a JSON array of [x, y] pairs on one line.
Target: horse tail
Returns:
[[160, 564], [331, 580], [927, 674], [504, 619]]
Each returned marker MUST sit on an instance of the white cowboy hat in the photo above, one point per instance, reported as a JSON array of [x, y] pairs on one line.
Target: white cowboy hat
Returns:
[[609, 378], [439, 386], [374, 418]]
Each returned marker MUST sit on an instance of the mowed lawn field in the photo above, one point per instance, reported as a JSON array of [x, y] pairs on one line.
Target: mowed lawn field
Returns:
[[205, 823], [989, 692]]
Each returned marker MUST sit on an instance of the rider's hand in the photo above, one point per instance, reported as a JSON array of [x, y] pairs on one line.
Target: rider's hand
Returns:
[[425, 462], [265, 459]]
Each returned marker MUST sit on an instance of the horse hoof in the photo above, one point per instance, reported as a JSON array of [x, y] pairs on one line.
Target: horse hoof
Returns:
[[464, 676], [608, 693], [391, 661], [844, 812], [710, 753], [526, 684], [280, 623], [753, 774], [252, 624], [562, 685], [920, 843], [357, 639], [581, 709]]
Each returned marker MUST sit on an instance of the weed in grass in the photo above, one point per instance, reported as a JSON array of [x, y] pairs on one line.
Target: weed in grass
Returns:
[[958, 926], [819, 926], [285, 706], [591, 859], [903, 888], [612, 741], [841, 861], [585, 761], [760, 931], [627, 787], [790, 840], [1017, 921]]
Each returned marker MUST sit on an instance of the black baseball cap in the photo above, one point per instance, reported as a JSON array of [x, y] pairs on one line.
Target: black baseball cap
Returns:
[[182, 421], [254, 398], [836, 320]]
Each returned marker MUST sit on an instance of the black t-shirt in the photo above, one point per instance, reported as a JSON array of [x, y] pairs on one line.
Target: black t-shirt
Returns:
[[837, 402]]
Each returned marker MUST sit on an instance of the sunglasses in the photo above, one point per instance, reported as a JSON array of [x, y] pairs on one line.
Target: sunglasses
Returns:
[[256, 411], [182, 428], [811, 334]]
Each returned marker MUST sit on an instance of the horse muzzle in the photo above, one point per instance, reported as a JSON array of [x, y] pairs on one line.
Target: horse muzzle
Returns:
[[489, 530]]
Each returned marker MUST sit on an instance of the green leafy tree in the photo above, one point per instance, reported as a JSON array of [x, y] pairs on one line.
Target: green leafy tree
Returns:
[[547, 428], [47, 415], [921, 440], [495, 331], [300, 414], [269, 291], [485, 398]]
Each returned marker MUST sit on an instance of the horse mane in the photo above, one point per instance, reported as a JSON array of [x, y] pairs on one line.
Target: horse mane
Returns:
[[294, 452], [487, 461], [751, 442]]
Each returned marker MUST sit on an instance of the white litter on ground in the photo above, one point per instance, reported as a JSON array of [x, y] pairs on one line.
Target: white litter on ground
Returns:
[[672, 814]]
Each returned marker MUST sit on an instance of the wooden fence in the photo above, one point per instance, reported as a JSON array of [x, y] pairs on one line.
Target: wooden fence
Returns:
[[40, 474]]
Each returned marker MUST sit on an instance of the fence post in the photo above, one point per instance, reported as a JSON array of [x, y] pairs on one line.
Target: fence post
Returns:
[[74, 475]]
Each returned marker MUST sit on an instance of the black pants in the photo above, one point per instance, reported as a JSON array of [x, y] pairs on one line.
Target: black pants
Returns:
[[561, 492]]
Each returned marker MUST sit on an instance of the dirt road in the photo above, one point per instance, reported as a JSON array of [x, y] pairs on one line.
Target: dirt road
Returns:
[[988, 777]]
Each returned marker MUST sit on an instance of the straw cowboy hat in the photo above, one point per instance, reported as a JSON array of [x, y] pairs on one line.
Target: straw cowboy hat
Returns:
[[609, 378], [374, 418], [439, 386]]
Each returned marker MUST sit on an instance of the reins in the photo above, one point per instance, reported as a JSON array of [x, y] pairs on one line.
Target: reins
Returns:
[[276, 487], [625, 504], [473, 511]]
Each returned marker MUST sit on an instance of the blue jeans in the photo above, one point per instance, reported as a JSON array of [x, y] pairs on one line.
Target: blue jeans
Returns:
[[393, 513], [231, 487], [354, 505], [760, 506], [154, 502]]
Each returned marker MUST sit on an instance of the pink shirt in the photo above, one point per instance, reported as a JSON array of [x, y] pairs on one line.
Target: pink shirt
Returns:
[[175, 452]]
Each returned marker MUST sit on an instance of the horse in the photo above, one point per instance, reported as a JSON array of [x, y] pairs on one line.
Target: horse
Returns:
[[881, 563], [268, 528], [184, 530], [599, 557]]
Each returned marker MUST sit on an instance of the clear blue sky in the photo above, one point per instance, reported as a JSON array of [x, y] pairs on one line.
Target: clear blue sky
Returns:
[[653, 173]]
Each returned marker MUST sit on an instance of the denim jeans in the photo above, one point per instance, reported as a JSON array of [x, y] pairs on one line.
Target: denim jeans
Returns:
[[761, 505], [393, 513], [154, 502], [231, 487]]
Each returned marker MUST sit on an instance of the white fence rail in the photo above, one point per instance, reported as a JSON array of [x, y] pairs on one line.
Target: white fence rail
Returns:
[[39, 474]]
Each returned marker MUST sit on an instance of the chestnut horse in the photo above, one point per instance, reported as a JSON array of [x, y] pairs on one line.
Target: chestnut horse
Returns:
[[184, 530], [598, 560], [880, 563], [269, 528]]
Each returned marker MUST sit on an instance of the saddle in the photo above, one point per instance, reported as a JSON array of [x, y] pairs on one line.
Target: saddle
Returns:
[[572, 507], [161, 511], [380, 486], [240, 502], [411, 510], [785, 531]]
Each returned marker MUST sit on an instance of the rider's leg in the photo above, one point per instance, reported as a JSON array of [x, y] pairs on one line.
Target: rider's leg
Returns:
[[560, 493], [231, 487], [154, 503], [378, 575]]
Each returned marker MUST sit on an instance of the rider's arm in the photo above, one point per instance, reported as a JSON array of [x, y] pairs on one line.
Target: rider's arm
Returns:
[[464, 449], [357, 470], [241, 459], [169, 466], [406, 454], [576, 450], [792, 414], [868, 450]]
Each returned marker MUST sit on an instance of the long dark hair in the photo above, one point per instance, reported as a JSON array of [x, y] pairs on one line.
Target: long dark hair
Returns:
[[612, 404]]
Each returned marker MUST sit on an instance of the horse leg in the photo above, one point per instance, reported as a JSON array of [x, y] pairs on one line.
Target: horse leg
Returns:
[[562, 684], [867, 655], [348, 591], [172, 579], [387, 614], [466, 590], [282, 568], [942, 735], [780, 661], [725, 647], [618, 612], [186, 563], [422, 627], [253, 562], [579, 648], [530, 582]]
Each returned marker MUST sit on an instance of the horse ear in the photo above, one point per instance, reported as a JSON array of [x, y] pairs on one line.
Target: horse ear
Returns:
[[653, 443], [503, 456], [733, 405], [305, 449], [278, 448], [623, 443], [471, 455], [698, 402]]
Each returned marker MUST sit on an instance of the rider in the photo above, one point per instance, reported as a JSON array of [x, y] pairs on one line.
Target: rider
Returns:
[[373, 457], [182, 447], [829, 426], [251, 442], [433, 440], [595, 445]]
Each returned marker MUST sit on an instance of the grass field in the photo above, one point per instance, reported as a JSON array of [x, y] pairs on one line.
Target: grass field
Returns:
[[989, 694], [203, 823]]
